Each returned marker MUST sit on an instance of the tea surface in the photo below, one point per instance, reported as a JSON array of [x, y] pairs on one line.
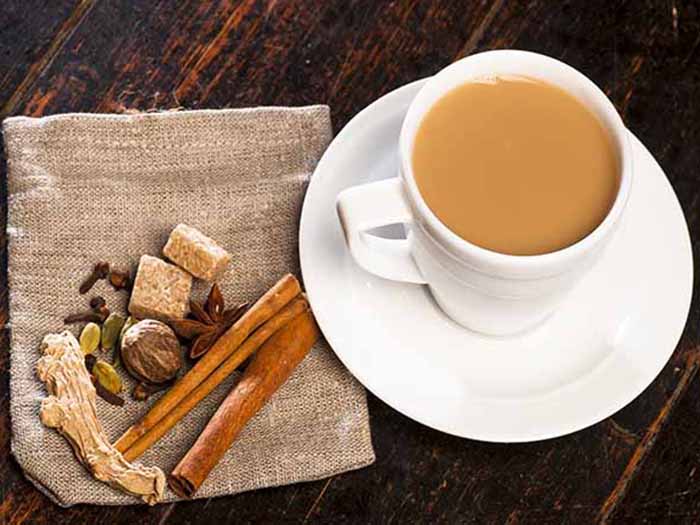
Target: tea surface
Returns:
[[515, 165]]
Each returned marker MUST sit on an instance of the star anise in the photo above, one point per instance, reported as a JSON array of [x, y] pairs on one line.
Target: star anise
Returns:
[[207, 322]]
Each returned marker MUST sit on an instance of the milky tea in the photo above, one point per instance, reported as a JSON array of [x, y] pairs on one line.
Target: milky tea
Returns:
[[515, 165]]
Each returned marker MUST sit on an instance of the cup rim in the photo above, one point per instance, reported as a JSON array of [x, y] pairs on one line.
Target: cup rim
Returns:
[[484, 258]]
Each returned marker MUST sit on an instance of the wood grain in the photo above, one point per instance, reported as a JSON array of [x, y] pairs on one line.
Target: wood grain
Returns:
[[31, 35], [639, 464], [645, 446]]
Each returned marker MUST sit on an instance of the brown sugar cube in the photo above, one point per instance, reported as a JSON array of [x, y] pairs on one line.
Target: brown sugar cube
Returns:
[[161, 290], [195, 252]]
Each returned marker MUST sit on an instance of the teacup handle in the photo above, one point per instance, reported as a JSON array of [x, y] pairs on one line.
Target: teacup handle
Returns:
[[372, 205]]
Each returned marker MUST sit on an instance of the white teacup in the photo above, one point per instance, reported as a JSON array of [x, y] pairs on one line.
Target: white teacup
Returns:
[[485, 291]]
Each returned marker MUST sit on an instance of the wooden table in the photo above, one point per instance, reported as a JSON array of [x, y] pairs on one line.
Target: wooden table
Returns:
[[107, 55]]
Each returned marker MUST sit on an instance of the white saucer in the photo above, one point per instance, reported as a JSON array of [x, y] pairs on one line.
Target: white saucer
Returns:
[[593, 356]]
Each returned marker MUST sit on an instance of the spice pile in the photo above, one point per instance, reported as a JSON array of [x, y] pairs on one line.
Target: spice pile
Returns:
[[276, 333]]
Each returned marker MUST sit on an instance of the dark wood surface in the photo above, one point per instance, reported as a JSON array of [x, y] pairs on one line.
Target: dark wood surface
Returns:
[[641, 465]]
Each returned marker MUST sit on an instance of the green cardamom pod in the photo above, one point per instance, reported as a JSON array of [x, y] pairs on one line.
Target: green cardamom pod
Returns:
[[90, 338], [107, 376], [111, 329]]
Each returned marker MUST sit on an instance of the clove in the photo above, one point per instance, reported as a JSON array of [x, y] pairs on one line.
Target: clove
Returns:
[[97, 302], [99, 271], [103, 312], [84, 317], [120, 280], [97, 314]]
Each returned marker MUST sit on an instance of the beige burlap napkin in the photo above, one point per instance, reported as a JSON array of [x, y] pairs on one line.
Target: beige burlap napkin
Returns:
[[84, 188]]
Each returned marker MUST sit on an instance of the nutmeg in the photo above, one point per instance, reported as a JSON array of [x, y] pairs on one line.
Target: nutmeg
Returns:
[[151, 351]]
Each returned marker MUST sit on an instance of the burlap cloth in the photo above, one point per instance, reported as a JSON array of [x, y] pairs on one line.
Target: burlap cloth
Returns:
[[84, 188]]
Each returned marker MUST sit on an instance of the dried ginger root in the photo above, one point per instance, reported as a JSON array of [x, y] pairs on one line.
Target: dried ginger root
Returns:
[[70, 409]]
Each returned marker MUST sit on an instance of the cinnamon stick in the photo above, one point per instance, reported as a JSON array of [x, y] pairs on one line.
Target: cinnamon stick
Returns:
[[296, 307], [269, 369], [268, 305]]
